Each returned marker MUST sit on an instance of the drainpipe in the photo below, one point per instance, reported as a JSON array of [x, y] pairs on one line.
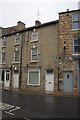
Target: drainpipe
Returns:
[[10, 75], [78, 79], [58, 78], [20, 63]]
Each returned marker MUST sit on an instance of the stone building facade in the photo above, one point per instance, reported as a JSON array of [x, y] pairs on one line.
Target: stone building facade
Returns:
[[69, 50], [10, 55], [42, 58]]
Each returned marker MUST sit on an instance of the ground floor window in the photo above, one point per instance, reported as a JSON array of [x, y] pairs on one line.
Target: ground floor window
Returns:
[[33, 77], [5, 75]]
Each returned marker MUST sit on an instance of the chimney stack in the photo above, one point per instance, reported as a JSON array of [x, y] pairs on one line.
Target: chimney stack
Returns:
[[20, 25], [67, 10], [37, 22]]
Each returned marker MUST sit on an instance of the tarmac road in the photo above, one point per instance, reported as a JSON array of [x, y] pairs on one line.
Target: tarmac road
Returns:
[[39, 106]]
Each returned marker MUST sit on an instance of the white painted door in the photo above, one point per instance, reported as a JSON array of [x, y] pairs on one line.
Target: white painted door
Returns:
[[15, 82], [49, 81], [7, 78]]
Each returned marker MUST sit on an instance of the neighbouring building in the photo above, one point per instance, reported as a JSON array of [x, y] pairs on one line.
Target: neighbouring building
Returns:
[[10, 54], [42, 58], [69, 50]]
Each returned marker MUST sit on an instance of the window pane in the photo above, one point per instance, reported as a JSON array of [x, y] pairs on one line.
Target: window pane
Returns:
[[17, 39], [34, 35], [7, 76], [34, 57], [34, 51], [3, 57], [34, 54], [77, 41], [34, 77], [76, 21], [79, 25], [49, 71], [75, 25], [75, 17], [3, 75], [77, 49], [17, 55], [4, 42]]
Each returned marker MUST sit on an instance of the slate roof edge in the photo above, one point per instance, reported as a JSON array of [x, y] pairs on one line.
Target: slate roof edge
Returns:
[[69, 11], [30, 28]]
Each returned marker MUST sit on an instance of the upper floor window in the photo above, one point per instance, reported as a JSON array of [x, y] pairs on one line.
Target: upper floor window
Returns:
[[17, 39], [4, 42], [3, 57], [34, 36], [76, 45], [34, 54], [76, 21], [16, 56]]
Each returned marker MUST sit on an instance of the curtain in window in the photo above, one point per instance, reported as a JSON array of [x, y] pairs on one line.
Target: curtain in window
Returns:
[[34, 77]]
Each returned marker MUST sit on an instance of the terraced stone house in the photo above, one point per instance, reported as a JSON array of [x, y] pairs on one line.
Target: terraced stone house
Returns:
[[44, 57]]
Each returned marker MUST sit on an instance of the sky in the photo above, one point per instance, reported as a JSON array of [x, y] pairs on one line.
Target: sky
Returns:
[[12, 11]]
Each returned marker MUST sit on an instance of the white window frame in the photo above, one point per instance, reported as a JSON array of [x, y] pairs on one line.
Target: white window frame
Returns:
[[4, 40], [19, 41], [73, 47], [3, 62], [34, 70], [76, 21], [32, 36], [14, 56], [6, 74], [32, 55]]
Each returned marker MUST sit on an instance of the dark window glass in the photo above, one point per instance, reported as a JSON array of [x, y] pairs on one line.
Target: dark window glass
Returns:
[[76, 44], [67, 76], [3, 74], [76, 21], [49, 71]]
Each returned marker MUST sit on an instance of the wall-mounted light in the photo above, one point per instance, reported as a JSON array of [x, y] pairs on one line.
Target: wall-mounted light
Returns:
[[39, 52], [34, 46], [17, 33], [4, 37], [34, 30], [16, 49], [15, 68], [3, 51]]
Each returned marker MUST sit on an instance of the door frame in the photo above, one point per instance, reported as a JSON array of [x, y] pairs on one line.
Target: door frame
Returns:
[[15, 72], [5, 81], [72, 80], [46, 80]]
